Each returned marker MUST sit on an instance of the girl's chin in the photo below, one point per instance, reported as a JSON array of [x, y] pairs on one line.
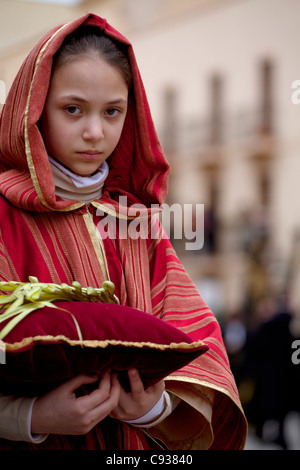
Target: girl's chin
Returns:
[[84, 173]]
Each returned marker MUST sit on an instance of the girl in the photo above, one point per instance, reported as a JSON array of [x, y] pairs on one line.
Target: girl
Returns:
[[76, 136]]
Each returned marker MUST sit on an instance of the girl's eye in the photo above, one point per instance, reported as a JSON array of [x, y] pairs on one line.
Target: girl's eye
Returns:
[[72, 110], [112, 112]]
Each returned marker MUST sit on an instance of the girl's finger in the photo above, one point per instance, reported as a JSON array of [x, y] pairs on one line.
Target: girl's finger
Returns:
[[136, 384], [100, 394], [106, 407], [73, 384]]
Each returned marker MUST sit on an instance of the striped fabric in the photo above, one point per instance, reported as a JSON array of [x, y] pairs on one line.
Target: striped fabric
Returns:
[[61, 241]]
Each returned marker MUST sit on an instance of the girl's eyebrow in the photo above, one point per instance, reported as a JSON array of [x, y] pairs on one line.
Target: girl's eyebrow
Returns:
[[117, 101], [83, 100], [74, 98]]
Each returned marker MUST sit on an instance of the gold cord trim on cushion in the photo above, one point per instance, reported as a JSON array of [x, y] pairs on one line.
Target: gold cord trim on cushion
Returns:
[[101, 343]]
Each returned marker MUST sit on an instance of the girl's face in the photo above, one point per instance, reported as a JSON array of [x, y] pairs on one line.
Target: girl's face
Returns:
[[84, 113]]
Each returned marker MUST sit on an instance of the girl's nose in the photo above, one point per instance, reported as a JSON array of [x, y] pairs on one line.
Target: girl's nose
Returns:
[[93, 129]]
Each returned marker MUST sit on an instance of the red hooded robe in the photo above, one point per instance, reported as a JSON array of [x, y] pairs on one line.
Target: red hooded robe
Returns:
[[57, 241]]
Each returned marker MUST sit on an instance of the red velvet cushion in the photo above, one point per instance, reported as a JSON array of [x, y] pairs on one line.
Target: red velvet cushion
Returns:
[[44, 349]]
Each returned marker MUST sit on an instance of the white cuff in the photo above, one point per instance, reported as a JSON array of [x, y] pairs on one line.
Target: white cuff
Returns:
[[158, 413], [34, 438]]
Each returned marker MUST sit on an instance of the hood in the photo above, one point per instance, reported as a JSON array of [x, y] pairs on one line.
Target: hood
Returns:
[[138, 168]]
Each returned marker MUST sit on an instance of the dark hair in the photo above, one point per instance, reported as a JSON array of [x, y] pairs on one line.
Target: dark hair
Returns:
[[87, 39]]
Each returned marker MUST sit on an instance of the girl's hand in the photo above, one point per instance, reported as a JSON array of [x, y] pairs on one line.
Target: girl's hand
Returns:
[[137, 402], [61, 412]]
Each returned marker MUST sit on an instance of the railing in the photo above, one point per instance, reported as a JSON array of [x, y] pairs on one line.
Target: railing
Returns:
[[194, 133]]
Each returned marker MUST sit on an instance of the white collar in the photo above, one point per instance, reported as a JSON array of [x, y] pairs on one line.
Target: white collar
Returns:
[[71, 186]]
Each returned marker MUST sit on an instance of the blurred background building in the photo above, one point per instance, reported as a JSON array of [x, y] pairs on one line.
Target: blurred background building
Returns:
[[219, 75]]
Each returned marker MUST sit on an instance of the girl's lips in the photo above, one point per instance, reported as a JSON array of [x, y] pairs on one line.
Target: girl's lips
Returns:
[[90, 155]]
